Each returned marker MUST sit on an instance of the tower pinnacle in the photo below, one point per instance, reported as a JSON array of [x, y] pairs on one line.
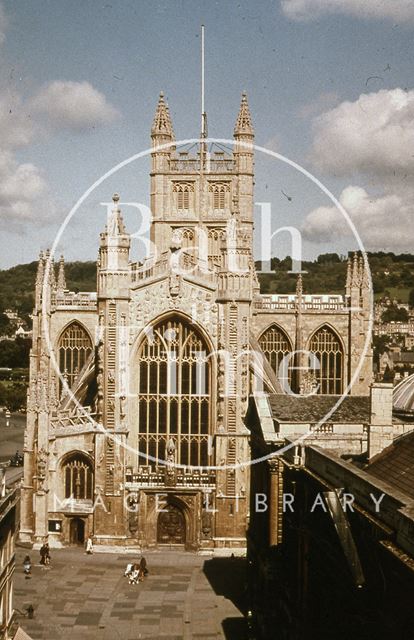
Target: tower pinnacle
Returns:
[[61, 283], [244, 126], [162, 125]]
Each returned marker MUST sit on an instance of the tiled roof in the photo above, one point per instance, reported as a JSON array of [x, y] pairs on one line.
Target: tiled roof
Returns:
[[406, 357], [395, 465], [303, 409]]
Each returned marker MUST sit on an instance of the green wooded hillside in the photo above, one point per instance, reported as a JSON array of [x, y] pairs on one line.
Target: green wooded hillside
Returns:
[[392, 274], [17, 284]]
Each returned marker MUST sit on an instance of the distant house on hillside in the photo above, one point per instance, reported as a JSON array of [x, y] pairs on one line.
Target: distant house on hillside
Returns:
[[22, 333], [397, 361], [12, 315]]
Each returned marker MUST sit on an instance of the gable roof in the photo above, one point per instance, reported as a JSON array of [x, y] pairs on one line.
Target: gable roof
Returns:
[[311, 409], [395, 464]]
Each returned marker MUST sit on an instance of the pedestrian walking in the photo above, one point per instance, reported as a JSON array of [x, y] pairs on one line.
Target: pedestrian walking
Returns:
[[45, 554], [143, 567], [89, 545], [47, 558], [27, 566]]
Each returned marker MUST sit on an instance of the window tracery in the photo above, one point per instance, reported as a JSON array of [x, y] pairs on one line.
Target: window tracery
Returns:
[[174, 395]]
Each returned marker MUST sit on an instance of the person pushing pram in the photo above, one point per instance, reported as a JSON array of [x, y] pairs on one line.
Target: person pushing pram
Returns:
[[136, 572]]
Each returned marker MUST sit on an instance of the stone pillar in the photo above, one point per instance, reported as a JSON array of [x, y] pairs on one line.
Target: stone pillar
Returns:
[[26, 503], [110, 520], [380, 432], [275, 502]]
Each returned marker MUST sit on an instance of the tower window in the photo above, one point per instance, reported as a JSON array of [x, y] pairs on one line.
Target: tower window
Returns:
[[182, 191], [218, 191], [215, 241], [183, 199], [185, 237]]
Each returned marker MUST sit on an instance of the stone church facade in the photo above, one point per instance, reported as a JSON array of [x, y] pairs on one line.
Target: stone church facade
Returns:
[[138, 391]]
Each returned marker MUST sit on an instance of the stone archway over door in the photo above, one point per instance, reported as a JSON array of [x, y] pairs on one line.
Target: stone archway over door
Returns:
[[77, 531], [171, 527]]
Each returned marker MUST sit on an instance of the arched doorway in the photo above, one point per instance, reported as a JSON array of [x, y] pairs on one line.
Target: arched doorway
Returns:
[[171, 527], [77, 531]]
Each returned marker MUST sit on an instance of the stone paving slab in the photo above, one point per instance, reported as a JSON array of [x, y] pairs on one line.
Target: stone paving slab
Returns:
[[82, 597]]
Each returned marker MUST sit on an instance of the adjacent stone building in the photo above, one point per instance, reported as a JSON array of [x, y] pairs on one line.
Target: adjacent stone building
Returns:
[[330, 539], [9, 506], [138, 391]]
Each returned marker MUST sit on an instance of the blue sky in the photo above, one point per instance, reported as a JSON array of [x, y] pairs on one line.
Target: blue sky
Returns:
[[301, 63]]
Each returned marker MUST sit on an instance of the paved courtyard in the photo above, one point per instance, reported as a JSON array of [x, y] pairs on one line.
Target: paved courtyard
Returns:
[[82, 597]]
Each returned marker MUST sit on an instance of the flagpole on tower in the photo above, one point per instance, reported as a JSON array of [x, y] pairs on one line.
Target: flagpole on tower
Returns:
[[203, 114]]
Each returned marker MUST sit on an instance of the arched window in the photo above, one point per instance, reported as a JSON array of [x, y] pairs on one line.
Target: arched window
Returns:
[[218, 191], [78, 477], [276, 345], [183, 236], [75, 347], [326, 346], [183, 191], [174, 395], [215, 241]]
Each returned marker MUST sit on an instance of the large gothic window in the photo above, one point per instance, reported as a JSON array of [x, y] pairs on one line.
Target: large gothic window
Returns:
[[276, 345], [74, 348], [78, 477], [174, 395], [326, 346]]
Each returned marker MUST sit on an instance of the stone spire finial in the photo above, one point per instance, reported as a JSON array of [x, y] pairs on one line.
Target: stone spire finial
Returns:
[[348, 281], [49, 269], [363, 274], [40, 269], [162, 125], [52, 274], [299, 287], [115, 224], [61, 283], [355, 280], [244, 124], [361, 269]]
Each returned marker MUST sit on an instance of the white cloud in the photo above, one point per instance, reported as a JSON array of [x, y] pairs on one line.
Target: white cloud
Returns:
[[24, 194], [76, 106], [397, 10], [371, 140], [319, 104], [374, 134], [384, 222], [16, 126], [25, 197]]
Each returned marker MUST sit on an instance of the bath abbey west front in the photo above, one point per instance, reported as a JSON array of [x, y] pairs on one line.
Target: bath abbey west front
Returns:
[[156, 366]]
